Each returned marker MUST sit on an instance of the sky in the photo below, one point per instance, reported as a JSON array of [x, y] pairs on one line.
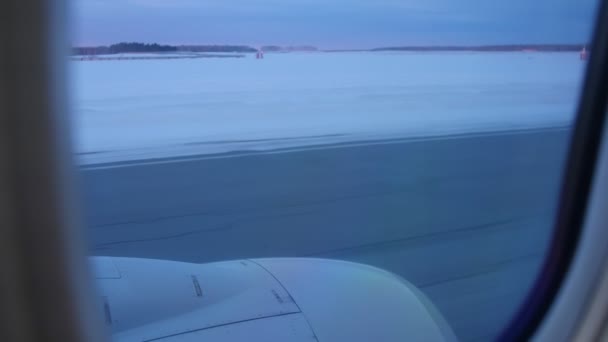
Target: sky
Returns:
[[332, 24]]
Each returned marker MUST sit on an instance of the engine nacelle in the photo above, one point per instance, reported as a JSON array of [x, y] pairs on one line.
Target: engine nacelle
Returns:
[[280, 299]]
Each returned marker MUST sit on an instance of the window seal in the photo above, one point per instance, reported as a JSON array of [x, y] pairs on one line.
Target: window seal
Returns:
[[576, 188]]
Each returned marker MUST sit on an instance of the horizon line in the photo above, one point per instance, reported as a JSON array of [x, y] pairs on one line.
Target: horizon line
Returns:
[[569, 44]]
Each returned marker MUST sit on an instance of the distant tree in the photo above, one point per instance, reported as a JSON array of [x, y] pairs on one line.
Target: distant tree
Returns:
[[140, 47], [516, 47], [272, 48], [217, 48], [275, 48], [90, 50]]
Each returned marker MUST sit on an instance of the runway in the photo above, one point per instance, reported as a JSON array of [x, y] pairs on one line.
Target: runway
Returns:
[[465, 218]]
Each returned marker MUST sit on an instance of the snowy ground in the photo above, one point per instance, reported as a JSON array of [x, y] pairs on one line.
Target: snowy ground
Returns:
[[128, 110], [466, 220]]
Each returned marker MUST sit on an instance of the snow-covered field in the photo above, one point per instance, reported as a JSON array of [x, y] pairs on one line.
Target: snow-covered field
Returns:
[[127, 110]]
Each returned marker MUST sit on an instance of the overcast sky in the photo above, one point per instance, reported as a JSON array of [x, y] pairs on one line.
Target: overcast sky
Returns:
[[332, 23]]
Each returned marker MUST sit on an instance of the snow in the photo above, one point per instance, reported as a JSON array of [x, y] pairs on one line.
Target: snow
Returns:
[[139, 109]]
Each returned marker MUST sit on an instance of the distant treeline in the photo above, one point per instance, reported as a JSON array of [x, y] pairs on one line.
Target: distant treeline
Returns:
[[275, 48], [244, 48], [141, 47], [123, 48], [216, 48], [90, 50], [502, 48]]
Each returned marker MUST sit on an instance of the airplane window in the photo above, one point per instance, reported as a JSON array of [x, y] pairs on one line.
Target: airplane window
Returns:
[[321, 170]]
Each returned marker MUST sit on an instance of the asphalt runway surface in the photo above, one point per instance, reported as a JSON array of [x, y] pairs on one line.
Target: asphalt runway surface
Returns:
[[465, 218]]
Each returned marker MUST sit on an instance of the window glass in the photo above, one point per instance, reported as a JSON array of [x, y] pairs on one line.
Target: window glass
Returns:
[[425, 138]]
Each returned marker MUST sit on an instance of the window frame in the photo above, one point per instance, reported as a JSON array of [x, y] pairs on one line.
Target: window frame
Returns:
[[576, 188], [49, 295]]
